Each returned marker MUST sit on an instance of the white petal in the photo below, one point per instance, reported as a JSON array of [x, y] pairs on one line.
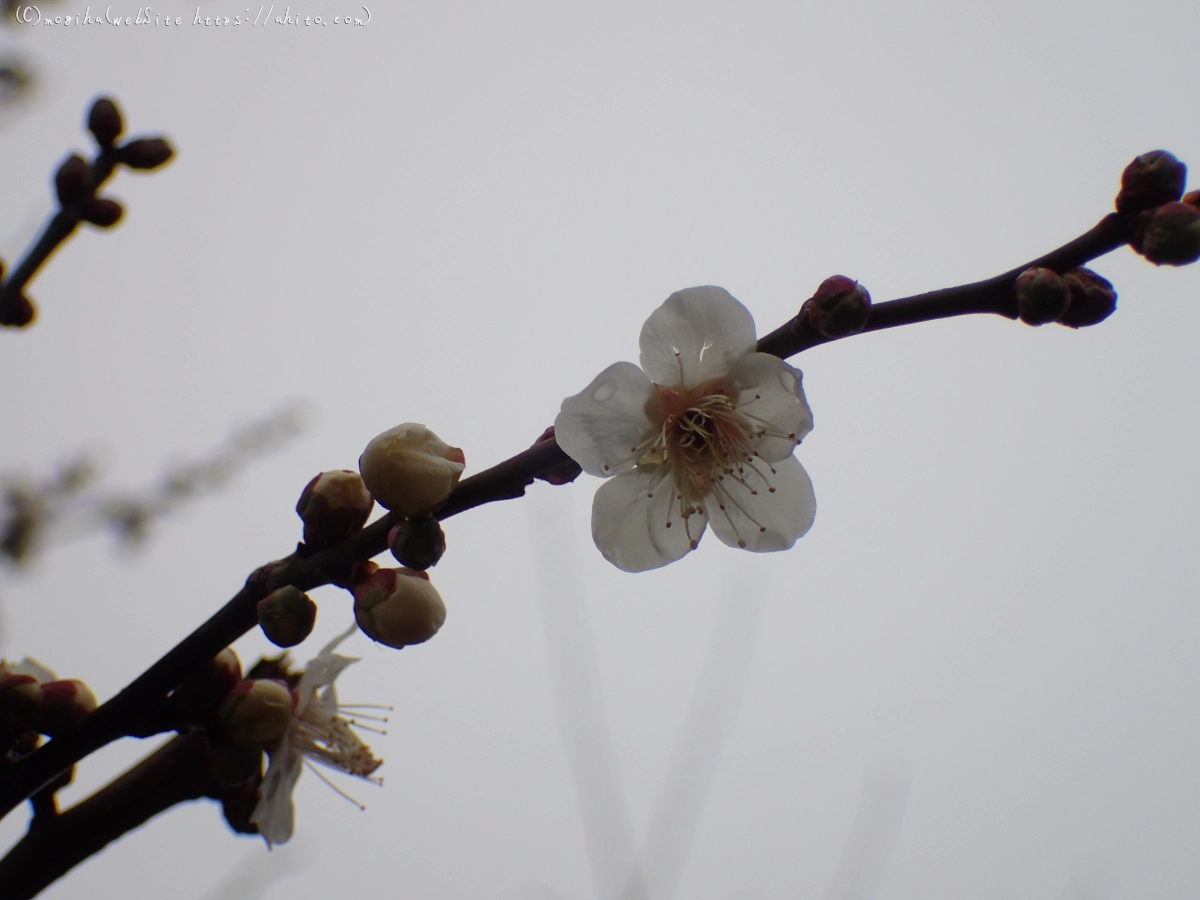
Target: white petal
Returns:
[[333, 645], [694, 336], [771, 391], [34, 669], [629, 520], [601, 425], [275, 814], [764, 520]]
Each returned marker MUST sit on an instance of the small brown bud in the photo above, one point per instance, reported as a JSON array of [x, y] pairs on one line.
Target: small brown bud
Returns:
[[145, 153], [1173, 235], [1151, 180], [840, 307], [63, 704], [332, 506], [102, 212], [73, 181], [17, 311], [1191, 198], [398, 607], [287, 616], [418, 543], [563, 473], [1042, 296], [20, 700], [104, 122], [1092, 299], [257, 712]]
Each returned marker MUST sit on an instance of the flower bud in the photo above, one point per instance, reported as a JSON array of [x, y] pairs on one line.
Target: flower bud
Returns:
[[1151, 180], [1191, 198], [287, 616], [1042, 296], [102, 212], [17, 311], [20, 700], [418, 543], [63, 704], [145, 153], [332, 506], [256, 712], [563, 473], [104, 122], [73, 181], [410, 470], [1092, 299], [198, 696], [840, 307], [1173, 235], [398, 607]]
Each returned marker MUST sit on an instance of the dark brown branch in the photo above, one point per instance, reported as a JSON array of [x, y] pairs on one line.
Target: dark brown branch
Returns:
[[175, 773]]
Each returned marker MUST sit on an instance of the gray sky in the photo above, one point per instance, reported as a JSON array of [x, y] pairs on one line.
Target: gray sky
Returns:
[[978, 673]]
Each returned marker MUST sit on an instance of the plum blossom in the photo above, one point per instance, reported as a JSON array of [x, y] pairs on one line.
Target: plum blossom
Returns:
[[316, 733], [702, 434]]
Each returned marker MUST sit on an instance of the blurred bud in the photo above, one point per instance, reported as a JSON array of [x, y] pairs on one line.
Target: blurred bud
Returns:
[[20, 700], [17, 311], [145, 153], [104, 122], [1042, 296], [840, 307], [63, 704], [73, 181], [1191, 198], [1092, 299], [418, 543], [410, 470], [102, 212], [1151, 180], [256, 712], [198, 696], [332, 506], [398, 607], [287, 616], [563, 473], [1173, 235]]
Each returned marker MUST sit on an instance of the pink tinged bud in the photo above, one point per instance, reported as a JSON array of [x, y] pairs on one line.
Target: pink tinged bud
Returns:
[[287, 616], [104, 122], [256, 712], [840, 307], [1042, 296], [64, 703], [1151, 180], [563, 473], [1191, 198], [410, 470], [1092, 299], [20, 700], [145, 153], [73, 181], [398, 607], [332, 506], [418, 543], [1173, 235], [102, 212]]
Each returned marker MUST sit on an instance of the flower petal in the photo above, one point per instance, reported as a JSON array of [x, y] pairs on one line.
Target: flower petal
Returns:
[[746, 513], [275, 814], [34, 669], [601, 426], [636, 520], [771, 392], [694, 336]]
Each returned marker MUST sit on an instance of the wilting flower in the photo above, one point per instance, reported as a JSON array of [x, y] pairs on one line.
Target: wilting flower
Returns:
[[702, 434], [316, 732]]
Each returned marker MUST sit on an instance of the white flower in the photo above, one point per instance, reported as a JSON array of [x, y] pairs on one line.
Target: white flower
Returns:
[[702, 434], [315, 733]]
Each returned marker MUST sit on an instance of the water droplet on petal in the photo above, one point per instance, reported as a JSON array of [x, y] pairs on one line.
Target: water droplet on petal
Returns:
[[604, 392], [788, 380]]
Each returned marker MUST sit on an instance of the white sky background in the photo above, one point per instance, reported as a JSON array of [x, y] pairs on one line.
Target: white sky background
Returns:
[[984, 658]]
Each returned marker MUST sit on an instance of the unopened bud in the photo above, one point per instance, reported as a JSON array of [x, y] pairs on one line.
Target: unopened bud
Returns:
[[17, 311], [104, 122], [63, 704], [1173, 235], [287, 616], [257, 712], [1042, 296], [563, 473], [1093, 299], [1191, 198], [334, 505], [840, 307], [410, 470], [418, 543], [73, 181], [145, 153], [1151, 180], [398, 607], [102, 212], [20, 699]]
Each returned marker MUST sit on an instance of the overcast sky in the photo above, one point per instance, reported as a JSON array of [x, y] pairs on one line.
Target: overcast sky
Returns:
[[978, 676]]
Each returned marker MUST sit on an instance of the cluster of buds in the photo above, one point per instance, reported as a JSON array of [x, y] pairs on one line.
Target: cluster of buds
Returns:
[[840, 307], [396, 607], [1076, 299], [410, 470], [1166, 222], [33, 700]]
